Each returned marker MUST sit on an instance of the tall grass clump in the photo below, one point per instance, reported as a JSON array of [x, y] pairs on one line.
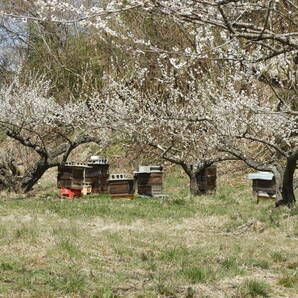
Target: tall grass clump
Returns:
[[254, 288]]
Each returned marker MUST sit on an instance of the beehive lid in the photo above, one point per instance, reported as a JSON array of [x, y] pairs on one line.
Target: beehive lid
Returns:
[[149, 169], [261, 176], [155, 169], [76, 165], [114, 177], [94, 159]]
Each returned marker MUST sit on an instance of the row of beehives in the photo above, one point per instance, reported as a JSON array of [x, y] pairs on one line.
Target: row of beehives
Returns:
[[93, 177], [75, 179]]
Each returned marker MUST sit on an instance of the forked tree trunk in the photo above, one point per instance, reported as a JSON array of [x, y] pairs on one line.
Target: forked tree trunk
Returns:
[[10, 178], [13, 181], [24, 183], [192, 172]]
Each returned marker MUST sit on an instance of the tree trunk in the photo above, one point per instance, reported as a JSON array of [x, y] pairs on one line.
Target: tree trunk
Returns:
[[9, 176], [295, 183], [192, 172], [193, 184], [32, 177], [12, 181], [285, 185]]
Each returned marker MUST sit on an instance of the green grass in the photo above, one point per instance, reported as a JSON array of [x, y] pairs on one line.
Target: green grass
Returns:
[[230, 265], [197, 274], [254, 288], [289, 281], [122, 210], [258, 263], [69, 248], [178, 246], [278, 257]]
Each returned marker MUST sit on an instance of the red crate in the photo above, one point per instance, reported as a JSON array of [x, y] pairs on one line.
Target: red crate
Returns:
[[70, 193]]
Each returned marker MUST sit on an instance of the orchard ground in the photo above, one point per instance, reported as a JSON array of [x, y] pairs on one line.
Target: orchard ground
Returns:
[[223, 245]]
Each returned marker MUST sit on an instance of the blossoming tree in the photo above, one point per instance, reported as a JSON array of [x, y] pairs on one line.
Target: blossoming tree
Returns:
[[169, 120], [210, 120], [248, 120], [46, 132]]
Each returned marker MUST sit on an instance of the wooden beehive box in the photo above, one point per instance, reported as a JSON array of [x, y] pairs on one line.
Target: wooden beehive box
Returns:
[[71, 175], [121, 186], [206, 180], [149, 180], [263, 185], [97, 174]]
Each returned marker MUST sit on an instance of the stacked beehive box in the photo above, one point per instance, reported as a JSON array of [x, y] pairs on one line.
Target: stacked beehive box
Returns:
[[149, 180], [264, 186], [206, 180], [97, 174], [121, 186], [71, 178]]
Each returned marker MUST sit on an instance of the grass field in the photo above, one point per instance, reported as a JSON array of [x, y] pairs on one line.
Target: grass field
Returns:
[[224, 245]]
